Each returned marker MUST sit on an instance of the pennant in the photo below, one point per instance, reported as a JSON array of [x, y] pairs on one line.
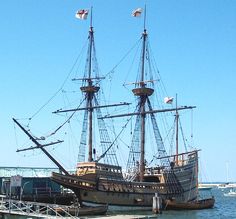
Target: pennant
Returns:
[[137, 12], [82, 14], [168, 100]]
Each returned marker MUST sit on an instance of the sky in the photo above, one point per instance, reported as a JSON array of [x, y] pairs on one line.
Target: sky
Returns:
[[194, 43]]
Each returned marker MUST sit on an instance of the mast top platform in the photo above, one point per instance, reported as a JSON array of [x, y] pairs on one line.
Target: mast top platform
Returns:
[[143, 91], [90, 89]]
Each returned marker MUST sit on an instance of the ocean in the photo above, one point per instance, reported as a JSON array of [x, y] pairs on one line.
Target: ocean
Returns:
[[225, 208]]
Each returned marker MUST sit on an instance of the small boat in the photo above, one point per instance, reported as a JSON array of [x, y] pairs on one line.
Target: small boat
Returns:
[[231, 193], [204, 188], [194, 205], [226, 185]]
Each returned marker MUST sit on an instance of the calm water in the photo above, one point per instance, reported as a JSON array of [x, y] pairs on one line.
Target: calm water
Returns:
[[225, 207]]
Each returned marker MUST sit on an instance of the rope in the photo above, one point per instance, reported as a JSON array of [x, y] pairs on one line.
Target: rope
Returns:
[[55, 94], [53, 133], [135, 55], [192, 128], [121, 60], [16, 139], [114, 139], [182, 132]]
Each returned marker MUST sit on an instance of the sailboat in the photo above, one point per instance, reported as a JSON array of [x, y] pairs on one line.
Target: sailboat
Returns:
[[103, 182], [99, 179], [231, 193], [227, 184]]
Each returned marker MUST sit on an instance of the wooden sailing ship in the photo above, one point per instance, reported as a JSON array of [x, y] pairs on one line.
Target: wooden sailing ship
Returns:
[[100, 179], [103, 182]]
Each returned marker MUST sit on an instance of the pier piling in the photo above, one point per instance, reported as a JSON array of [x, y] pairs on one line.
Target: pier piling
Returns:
[[157, 204]]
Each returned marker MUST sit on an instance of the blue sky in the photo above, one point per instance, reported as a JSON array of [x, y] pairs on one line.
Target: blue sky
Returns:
[[194, 44]]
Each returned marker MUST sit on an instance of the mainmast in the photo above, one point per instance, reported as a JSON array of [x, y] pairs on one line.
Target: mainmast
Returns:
[[143, 92], [136, 162]]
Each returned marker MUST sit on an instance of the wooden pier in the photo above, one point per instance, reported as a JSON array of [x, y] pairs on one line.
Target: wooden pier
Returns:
[[33, 209], [49, 211]]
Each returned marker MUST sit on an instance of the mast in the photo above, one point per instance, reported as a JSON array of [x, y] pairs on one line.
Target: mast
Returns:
[[90, 94], [227, 172], [89, 91], [136, 161], [90, 45], [143, 115], [177, 132], [92, 109], [143, 92]]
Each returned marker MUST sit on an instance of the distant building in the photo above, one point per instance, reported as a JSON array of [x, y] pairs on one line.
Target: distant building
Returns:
[[36, 184]]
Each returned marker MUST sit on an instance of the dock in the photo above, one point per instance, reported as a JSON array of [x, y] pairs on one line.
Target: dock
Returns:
[[50, 211], [32, 209]]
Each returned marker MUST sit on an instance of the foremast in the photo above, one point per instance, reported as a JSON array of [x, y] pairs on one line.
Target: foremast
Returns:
[[90, 89]]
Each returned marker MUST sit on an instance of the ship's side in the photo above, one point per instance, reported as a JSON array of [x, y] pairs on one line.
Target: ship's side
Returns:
[[104, 184], [187, 175]]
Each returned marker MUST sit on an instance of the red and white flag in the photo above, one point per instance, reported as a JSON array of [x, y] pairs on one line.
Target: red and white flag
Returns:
[[82, 14], [137, 12], [168, 100]]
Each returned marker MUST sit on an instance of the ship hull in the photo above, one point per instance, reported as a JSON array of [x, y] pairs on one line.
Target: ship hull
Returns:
[[180, 184]]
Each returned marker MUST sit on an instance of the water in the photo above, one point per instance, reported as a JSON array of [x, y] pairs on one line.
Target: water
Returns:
[[225, 208]]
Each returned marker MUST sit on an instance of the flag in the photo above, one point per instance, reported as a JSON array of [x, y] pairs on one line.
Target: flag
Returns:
[[168, 100], [137, 12], [82, 14]]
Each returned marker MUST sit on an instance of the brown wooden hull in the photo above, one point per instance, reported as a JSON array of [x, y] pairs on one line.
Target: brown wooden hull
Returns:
[[195, 205], [123, 193], [100, 184]]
